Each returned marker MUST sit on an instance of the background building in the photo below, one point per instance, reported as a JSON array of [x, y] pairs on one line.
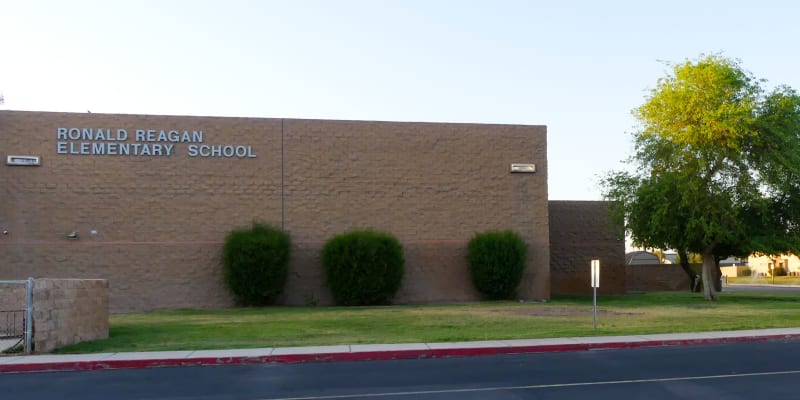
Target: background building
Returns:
[[763, 265]]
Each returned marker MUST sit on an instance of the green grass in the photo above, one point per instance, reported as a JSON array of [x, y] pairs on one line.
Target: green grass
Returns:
[[564, 316], [779, 280]]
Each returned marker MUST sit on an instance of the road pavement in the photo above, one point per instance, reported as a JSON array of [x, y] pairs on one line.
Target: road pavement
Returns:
[[741, 370], [365, 352]]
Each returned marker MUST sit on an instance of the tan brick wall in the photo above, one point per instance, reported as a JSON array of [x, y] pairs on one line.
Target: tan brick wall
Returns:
[[68, 311], [160, 221], [656, 278], [581, 231], [143, 276], [431, 185], [12, 296]]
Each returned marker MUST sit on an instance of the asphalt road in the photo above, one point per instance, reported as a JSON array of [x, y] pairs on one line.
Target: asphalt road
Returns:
[[768, 370]]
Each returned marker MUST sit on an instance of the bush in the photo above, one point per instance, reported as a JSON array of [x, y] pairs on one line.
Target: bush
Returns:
[[780, 271], [363, 267], [746, 272], [496, 263], [256, 262]]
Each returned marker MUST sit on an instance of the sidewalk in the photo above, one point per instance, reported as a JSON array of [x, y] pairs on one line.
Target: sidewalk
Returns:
[[364, 352]]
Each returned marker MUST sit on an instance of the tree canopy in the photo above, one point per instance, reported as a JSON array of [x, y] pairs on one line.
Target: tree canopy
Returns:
[[717, 161]]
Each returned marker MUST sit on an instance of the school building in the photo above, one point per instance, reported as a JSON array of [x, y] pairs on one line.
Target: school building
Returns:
[[145, 201]]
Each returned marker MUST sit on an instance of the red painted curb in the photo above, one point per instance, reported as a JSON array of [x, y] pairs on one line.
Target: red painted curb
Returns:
[[370, 355]]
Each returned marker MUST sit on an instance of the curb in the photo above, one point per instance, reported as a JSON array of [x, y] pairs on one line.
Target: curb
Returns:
[[372, 355]]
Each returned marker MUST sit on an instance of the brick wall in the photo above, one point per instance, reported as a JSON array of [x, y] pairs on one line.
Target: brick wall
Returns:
[[12, 296], [656, 278], [431, 185], [581, 231], [68, 311], [159, 222]]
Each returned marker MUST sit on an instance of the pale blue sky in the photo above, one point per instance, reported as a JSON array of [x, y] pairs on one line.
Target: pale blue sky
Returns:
[[578, 67]]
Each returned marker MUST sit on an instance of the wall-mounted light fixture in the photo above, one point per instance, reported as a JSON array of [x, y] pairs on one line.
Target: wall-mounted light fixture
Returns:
[[5, 232], [72, 235], [529, 168], [24, 160]]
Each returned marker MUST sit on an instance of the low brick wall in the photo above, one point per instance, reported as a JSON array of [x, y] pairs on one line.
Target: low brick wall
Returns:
[[656, 278], [68, 311]]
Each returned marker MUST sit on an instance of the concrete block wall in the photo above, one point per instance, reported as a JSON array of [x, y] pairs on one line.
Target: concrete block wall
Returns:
[[153, 226], [656, 278], [581, 231], [69, 311], [12, 296], [431, 185]]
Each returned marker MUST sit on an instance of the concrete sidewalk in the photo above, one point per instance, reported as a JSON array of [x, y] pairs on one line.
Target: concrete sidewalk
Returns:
[[363, 352]]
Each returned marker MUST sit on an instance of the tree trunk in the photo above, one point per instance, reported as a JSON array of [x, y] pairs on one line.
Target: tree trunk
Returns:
[[709, 265], [717, 276], [684, 256]]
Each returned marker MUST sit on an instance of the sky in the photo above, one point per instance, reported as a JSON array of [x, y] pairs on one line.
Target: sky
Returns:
[[578, 67]]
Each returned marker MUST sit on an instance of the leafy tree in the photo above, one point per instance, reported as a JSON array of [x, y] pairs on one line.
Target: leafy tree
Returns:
[[691, 258], [718, 166]]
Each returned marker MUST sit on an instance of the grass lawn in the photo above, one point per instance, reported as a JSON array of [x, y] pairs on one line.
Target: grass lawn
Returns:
[[767, 280], [664, 312]]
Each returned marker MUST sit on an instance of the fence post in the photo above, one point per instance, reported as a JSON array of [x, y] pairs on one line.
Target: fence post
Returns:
[[29, 315]]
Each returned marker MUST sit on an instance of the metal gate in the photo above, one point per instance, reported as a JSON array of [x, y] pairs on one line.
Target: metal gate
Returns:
[[16, 316]]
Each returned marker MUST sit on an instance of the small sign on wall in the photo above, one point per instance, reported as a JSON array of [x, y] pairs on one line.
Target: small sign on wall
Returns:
[[23, 160]]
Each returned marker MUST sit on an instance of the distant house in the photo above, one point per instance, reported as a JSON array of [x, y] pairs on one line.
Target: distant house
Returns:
[[733, 267], [732, 262], [761, 265], [641, 257]]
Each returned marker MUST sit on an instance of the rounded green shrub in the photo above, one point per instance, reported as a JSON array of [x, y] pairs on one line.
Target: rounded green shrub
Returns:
[[256, 263], [496, 263], [363, 267], [780, 271], [746, 272]]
